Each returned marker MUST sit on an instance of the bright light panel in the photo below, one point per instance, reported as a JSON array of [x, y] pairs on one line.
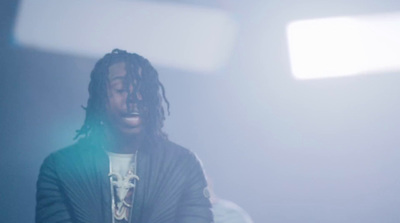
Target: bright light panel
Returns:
[[344, 46], [172, 35]]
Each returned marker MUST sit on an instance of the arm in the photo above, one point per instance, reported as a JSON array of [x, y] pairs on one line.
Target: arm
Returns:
[[51, 205], [194, 205]]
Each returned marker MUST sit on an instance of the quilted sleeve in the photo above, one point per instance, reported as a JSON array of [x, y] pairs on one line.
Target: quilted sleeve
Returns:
[[51, 205], [194, 205]]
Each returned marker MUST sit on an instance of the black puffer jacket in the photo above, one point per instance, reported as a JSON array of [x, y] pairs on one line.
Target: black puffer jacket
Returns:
[[73, 186]]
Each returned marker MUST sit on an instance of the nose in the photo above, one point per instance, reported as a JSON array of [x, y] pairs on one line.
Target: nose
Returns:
[[133, 99], [131, 102]]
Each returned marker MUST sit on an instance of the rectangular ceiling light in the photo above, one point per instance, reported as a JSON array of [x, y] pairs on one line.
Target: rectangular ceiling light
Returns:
[[342, 46], [172, 35]]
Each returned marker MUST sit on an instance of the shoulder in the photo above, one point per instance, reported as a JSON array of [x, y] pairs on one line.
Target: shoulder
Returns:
[[172, 147], [78, 147], [178, 152], [171, 156], [69, 153]]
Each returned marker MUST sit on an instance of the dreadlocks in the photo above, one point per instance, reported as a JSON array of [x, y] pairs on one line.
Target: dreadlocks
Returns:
[[141, 75]]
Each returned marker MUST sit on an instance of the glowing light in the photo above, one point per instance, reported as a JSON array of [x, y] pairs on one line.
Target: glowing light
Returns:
[[344, 46], [172, 35]]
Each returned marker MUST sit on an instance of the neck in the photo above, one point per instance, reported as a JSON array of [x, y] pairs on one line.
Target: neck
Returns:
[[118, 143]]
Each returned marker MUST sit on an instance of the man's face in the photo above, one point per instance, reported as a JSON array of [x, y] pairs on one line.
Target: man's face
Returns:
[[123, 114]]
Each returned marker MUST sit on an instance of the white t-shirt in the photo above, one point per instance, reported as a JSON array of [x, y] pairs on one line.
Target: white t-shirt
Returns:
[[123, 179], [120, 163]]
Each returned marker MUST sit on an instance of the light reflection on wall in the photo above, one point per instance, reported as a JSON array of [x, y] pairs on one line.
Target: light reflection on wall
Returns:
[[342, 46], [172, 35]]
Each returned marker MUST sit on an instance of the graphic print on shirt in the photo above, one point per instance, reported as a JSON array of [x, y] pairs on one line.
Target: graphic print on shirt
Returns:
[[123, 188]]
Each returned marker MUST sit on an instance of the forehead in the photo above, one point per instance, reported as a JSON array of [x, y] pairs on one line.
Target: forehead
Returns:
[[116, 71]]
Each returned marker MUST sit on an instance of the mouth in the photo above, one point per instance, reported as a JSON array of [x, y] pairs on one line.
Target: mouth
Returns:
[[132, 114], [132, 119]]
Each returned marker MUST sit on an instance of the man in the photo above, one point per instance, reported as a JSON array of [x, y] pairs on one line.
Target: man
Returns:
[[123, 168]]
